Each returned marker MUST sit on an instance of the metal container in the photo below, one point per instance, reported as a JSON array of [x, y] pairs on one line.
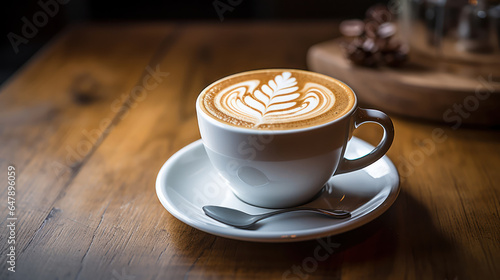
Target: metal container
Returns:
[[459, 35]]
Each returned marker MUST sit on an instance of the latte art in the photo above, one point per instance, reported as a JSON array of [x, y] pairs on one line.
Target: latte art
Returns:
[[279, 99], [276, 99]]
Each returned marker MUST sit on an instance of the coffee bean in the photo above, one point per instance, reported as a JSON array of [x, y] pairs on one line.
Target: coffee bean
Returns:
[[374, 42], [379, 13], [352, 28], [386, 30]]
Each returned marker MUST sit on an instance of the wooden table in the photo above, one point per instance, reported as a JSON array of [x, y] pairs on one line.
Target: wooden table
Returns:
[[87, 144]]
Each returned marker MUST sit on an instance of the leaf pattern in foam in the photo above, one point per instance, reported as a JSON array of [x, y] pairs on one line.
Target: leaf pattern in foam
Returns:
[[274, 95], [279, 99]]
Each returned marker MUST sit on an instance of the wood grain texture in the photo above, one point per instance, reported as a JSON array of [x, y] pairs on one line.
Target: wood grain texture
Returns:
[[88, 148]]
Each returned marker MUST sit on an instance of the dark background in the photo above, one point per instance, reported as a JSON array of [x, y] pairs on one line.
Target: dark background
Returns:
[[75, 11]]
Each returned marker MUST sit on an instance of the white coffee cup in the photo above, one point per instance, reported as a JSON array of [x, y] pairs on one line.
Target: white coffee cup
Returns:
[[285, 168]]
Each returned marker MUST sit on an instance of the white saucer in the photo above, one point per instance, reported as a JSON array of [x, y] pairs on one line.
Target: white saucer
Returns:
[[187, 182]]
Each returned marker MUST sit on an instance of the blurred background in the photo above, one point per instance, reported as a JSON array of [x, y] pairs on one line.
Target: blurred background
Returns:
[[14, 14]]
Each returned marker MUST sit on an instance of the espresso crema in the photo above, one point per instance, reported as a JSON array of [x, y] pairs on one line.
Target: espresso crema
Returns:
[[276, 99]]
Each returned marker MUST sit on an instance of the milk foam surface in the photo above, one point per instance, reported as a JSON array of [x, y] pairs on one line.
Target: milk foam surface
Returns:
[[276, 99]]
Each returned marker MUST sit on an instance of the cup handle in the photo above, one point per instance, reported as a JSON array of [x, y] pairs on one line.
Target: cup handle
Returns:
[[362, 116]]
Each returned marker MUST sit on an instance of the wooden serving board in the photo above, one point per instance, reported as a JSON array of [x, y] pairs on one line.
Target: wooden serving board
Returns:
[[416, 90]]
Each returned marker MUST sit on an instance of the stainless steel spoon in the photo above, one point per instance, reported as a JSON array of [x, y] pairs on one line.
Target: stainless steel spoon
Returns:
[[240, 219]]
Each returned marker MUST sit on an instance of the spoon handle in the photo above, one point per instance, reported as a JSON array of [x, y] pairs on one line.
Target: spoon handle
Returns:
[[337, 214]]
